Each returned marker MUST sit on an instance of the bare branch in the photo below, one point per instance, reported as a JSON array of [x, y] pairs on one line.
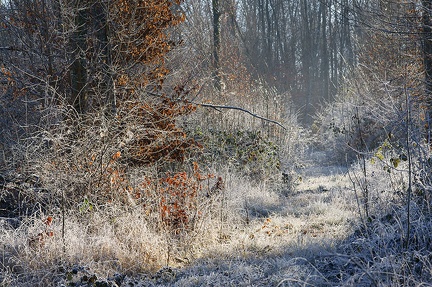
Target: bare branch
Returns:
[[218, 107], [240, 109], [9, 48]]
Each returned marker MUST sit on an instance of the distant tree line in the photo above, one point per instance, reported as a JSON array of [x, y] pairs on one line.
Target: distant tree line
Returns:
[[306, 48]]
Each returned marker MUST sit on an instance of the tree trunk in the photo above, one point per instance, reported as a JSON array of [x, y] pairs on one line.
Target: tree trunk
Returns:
[[306, 61], [103, 51], [324, 54], [427, 60], [216, 44], [78, 68]]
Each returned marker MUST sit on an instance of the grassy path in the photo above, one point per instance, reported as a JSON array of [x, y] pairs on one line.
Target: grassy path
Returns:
[[283, 248]]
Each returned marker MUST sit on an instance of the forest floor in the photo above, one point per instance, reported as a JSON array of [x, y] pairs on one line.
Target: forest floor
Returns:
[[309, 235], [294, 244]]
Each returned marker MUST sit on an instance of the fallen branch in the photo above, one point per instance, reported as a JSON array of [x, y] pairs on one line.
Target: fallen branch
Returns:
[[240, 109]]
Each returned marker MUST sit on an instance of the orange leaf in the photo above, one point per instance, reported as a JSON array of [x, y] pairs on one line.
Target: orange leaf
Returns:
[[48, 220], [116, 155]]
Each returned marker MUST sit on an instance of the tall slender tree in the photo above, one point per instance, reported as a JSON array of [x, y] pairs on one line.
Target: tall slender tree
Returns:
[[216, 8], [427, 60]]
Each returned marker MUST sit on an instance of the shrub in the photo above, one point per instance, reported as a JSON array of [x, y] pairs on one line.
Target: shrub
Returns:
[[247, 152]]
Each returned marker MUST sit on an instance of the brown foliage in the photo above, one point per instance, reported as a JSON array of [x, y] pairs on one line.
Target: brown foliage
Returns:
[[158, 138], [141, 38]]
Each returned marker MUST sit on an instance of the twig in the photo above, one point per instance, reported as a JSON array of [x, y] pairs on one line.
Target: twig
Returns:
[[63, 225], [9, 48], [408, 147]]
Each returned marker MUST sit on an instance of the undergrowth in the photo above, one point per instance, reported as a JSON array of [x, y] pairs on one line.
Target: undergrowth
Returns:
[[248, 152]]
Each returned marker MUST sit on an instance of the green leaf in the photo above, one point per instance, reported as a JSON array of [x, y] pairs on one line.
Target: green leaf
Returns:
[[379, 155], [395, 161]]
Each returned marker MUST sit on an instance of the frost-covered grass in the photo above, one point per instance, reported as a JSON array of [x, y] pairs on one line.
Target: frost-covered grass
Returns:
[[240, 227], [248, 235]]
